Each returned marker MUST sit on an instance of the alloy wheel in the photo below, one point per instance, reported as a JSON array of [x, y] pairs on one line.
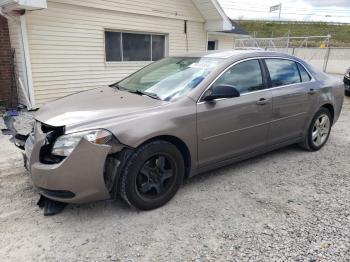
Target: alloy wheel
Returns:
[[321, 130], [156, 177]]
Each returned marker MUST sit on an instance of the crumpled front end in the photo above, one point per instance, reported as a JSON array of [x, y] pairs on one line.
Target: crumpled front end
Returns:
[[77, 178]]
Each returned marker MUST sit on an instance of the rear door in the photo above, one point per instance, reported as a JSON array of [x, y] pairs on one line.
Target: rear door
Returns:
[[292, 98], [233, 126]]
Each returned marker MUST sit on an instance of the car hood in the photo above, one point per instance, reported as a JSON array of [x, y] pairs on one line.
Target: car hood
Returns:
[[95, 105]]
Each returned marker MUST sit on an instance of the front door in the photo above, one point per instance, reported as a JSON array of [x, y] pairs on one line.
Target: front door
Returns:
[[229, 127]]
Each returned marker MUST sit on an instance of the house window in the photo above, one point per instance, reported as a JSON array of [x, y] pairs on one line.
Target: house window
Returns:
[[212, 45], [125, 46]]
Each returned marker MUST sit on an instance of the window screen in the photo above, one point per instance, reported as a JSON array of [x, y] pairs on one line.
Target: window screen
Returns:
[[245, 76], [211, 45], [113, 46], [158, 47], [282, 72], [136, 47], [305, 77], [122, 46]]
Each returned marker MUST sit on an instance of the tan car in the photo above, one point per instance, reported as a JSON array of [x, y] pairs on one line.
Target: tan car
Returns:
[[141, 137]]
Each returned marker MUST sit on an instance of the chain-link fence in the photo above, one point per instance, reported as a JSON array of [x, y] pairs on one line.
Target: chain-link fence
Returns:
[[284, 42], [313, 49], [264, 43]]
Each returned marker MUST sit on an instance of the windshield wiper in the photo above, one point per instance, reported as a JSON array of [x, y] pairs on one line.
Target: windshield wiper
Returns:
[[116, 85], [140, 92]]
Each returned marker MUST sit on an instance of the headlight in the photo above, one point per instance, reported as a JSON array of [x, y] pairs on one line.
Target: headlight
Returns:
[[65, 144]]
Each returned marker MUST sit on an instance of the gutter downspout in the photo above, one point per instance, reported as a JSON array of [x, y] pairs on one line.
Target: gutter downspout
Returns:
[[28, 65], [206, 42]]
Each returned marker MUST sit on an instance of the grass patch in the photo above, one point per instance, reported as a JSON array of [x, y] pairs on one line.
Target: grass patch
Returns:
[[340, 32]]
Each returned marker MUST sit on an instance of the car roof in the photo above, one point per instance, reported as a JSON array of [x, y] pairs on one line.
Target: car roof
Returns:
[[229, 54]]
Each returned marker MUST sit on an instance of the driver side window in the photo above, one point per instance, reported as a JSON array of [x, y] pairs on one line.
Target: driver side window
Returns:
[[245, 77]]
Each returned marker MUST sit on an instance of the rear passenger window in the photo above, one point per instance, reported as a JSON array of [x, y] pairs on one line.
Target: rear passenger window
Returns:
[[245, 77], [282, 72], [305, 77]]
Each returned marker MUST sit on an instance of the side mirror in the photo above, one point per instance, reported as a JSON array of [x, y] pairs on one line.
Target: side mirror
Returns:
[[221, 91]]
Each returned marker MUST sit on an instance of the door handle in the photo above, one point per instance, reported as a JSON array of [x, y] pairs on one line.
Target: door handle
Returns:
[[312, 91], [262, 101]]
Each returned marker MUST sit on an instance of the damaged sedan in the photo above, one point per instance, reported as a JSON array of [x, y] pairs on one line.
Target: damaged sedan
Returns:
[[142, 136]]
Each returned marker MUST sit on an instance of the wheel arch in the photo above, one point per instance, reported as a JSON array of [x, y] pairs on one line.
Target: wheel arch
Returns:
[[330, 107]]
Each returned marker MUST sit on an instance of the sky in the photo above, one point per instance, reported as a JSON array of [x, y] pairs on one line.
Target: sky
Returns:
[[295, 10]]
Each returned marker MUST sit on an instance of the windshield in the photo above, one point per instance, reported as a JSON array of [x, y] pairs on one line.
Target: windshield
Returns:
[[170, 78]]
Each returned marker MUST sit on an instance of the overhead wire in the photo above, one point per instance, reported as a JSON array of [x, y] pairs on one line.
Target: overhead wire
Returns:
[[236, 6]]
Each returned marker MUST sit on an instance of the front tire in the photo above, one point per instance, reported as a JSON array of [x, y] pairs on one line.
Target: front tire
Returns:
[[152, 176], [319, 130]]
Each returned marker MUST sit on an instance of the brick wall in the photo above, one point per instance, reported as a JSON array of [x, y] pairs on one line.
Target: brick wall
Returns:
[[5, 66]]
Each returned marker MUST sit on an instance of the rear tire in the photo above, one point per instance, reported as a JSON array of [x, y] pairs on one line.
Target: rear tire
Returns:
[[318, 131], [347, 92], [152, 176]]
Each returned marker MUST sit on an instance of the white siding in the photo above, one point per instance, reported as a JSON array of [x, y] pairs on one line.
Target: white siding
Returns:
[[16, 43], [224, 42], [67, 46], [207, 8], [179, 9]]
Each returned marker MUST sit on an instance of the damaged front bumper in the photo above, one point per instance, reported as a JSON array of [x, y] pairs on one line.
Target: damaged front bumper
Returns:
[[78, 178]]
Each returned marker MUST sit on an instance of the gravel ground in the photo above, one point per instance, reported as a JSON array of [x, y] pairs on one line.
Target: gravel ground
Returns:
[[287, 205]]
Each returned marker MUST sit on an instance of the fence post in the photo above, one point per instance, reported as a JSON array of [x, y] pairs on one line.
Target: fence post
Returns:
[[293, 52], [326, 60]]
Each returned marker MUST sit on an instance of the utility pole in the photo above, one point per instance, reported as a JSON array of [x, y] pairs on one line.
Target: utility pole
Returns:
[[279, 14]]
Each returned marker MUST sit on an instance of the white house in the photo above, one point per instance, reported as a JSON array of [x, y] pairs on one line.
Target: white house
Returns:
[[65, 46], [224, 40]]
